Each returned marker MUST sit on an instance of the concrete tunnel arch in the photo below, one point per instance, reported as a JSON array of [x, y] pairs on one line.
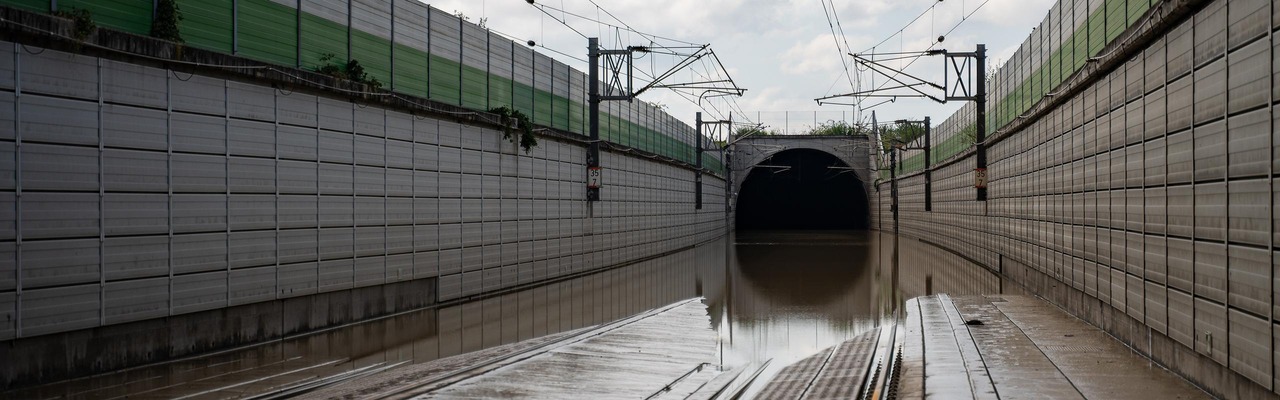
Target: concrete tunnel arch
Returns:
[[802, 188]]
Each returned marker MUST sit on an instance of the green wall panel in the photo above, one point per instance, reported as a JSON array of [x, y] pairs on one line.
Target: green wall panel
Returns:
[[562, 108], [268, 32], [1116, 21], [499, 91], [374, 54], [1097, 28], [29, 5], [522, 98], [1136, 9], [207, 24], [410, 71], [133, 16], [542, 108], [446, 81], [475, 88], [577, 118], [320, 37]]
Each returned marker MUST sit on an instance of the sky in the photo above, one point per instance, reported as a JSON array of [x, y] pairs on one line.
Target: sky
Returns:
[[783, 52]]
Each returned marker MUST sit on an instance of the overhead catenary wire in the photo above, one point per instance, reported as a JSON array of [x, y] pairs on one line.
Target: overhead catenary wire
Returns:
[[543, 8], [963, 18]]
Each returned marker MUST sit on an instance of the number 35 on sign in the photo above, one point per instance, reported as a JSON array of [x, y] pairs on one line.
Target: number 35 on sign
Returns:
[[980, 178], [593, 177]]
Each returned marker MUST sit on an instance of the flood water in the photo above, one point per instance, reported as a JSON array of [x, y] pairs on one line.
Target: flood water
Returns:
[[772, 295]]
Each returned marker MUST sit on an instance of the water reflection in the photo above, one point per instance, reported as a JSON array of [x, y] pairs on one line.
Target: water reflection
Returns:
[[779, 295], [785, 295]]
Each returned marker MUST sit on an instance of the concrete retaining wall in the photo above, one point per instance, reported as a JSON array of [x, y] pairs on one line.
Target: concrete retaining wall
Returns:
[[1145, 203]]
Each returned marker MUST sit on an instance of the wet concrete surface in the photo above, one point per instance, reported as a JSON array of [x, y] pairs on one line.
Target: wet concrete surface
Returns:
[[772, 297], [1020, 347]]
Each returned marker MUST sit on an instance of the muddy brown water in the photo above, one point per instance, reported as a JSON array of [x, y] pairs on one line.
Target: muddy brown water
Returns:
[[771, 295]]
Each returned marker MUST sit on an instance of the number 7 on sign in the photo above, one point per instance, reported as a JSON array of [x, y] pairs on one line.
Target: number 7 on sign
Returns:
[[593, 177]]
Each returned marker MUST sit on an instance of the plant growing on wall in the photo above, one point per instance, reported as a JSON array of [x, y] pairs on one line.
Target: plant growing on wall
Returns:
[[351, 70], [526, 138], [165, 24], [970, 135], [82, 21]]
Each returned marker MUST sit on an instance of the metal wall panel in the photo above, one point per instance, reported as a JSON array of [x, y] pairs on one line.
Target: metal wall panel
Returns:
[[1210, 32], [123, 170], [135, 300], [410, 47], [297, 109], [58, 73], [198, 173], [1210, 96], [296, 143], [135, 257], [251, 249], [233, 228], [199, 252], [247, 212], [251, 285], [336, 179], [60, 309], [124, 126], [1249, 144], [297, 279], [251, 175], [1247, 77], [135, 214], [199, 292], [59, 215], [59, 262], [1210, 151], [251, 138]]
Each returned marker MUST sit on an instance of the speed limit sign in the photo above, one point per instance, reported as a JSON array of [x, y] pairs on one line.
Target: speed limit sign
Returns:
[[593, 177]]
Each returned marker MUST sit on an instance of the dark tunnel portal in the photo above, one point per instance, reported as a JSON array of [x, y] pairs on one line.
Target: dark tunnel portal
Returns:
[[799, 189]]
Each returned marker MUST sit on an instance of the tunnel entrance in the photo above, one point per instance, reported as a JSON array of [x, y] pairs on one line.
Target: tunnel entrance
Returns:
[[799, 189]]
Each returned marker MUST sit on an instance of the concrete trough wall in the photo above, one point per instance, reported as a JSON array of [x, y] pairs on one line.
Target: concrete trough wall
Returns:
[[1145, 204], [138, 197]]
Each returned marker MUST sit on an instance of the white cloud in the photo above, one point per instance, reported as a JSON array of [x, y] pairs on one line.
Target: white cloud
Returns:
[[781, 51], [817, 55]]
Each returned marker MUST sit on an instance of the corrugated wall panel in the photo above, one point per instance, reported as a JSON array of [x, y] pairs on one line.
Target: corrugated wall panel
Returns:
[[207, 24], [409, 55], [136, 300], [475, 67], [371, 38], [30, 5], [1097, 26], [268, 31], [1116, 18], [133, 16], [324, 33], [60, 309], [578, 100], [446, 58], [542, 80], [522, 88], [500, 71], [199, 292], [560, 110]]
